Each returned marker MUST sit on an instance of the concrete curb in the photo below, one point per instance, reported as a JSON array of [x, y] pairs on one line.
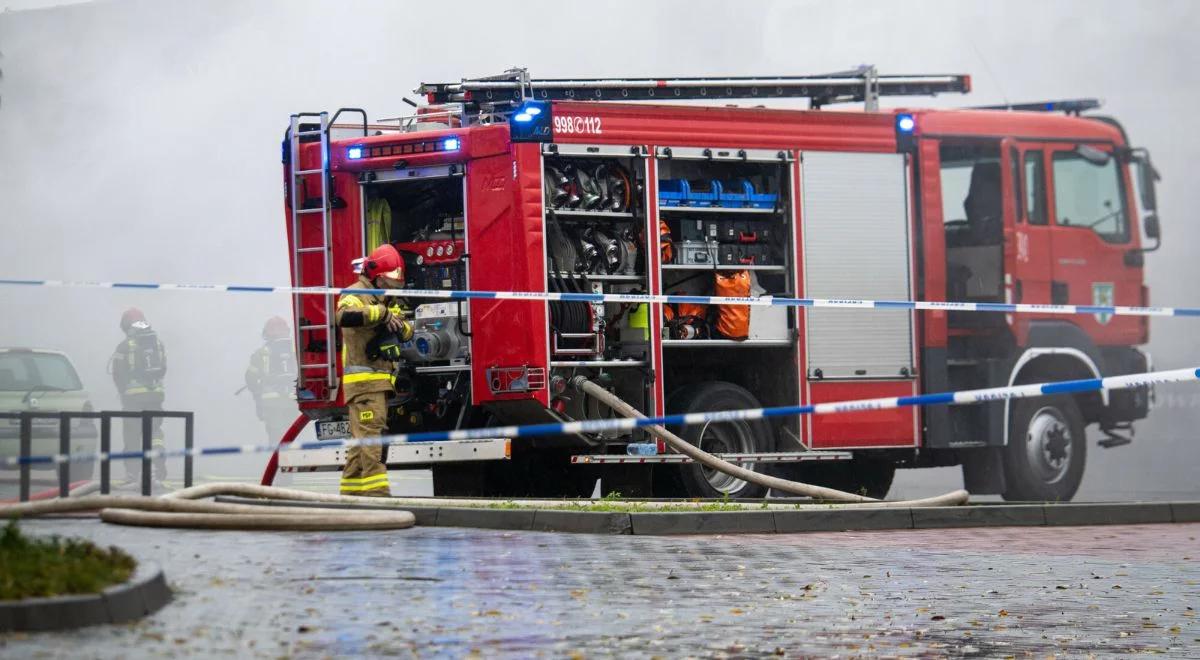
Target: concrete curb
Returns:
[[145, 593], [786, 521]]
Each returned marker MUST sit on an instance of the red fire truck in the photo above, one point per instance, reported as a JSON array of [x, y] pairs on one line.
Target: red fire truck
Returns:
[[516, 184]]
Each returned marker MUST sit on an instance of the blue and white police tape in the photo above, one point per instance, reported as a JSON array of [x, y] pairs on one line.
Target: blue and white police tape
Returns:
[[763, 301], [620, 424]]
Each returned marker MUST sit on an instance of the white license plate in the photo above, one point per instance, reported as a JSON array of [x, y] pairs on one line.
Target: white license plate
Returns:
[[333, 430]]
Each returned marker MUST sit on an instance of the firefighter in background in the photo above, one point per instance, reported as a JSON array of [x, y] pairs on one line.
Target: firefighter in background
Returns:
[[138, 367], [373, 328], [271, 379]]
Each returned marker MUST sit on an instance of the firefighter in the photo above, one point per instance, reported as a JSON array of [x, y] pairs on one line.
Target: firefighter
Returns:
[[271, 379], [138, 366], [373, 327]]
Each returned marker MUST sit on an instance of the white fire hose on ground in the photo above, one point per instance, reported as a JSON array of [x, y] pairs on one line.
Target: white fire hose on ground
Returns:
[[794, 487], [181, 509]]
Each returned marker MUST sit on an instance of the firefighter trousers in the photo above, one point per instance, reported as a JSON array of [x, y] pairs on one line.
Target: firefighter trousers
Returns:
[[131, 431], [365, 473]]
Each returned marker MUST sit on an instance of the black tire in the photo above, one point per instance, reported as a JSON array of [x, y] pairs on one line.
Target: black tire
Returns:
[[741, 436], [861, 476], [1046, 451]]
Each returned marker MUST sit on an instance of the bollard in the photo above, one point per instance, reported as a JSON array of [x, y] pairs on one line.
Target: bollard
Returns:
[[105, 449], [26, 450], [64, 447], [146, 430], [188, 420]]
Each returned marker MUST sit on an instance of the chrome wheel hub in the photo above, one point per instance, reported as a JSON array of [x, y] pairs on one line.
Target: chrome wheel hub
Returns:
[[1048, 445]]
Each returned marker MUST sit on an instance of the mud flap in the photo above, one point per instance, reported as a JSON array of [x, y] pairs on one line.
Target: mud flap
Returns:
[[983, 471]]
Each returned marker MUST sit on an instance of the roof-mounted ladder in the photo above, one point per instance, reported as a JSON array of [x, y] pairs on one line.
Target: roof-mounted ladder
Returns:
[[863, 84]]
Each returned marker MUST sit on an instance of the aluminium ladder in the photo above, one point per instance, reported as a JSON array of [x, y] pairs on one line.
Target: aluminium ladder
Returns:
[[301, 278], [863, 84]]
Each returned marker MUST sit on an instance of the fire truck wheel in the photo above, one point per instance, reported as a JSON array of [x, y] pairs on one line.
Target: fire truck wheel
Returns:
[[736, 437], [1046, 450]]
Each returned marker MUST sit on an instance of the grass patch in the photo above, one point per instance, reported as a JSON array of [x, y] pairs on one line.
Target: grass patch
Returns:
[[35, 568]]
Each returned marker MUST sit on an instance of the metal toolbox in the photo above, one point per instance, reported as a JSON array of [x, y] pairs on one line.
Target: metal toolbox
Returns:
[[697, 253]]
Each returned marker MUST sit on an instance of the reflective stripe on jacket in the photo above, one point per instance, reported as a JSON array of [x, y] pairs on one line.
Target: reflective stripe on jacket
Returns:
[[358, 315]]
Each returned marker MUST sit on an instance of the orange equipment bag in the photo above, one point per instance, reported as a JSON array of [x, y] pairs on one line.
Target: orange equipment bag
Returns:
[[666, 245], [733, 321]]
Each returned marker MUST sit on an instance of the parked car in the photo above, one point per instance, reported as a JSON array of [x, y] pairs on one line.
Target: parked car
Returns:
[[40, 380]]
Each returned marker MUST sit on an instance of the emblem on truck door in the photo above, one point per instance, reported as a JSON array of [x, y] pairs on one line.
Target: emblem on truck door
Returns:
[[1102, 296]]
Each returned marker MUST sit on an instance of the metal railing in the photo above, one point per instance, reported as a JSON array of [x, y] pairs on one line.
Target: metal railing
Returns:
[[65, 419]]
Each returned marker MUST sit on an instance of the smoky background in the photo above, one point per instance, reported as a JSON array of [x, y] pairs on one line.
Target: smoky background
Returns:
[[140, 141]]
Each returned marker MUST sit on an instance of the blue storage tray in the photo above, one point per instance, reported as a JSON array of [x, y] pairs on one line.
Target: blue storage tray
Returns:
[[673, 192], [679, 192], [763, 200], [741, 194], [735, 194]]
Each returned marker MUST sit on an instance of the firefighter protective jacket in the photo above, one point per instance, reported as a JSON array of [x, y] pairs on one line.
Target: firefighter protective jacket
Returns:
[[359, 315], [139, 363], [271, 373]]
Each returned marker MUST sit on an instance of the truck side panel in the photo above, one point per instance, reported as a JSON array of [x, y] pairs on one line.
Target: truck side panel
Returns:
[[506, 253]]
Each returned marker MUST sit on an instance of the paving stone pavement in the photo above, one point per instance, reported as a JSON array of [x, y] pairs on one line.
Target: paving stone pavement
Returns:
[[439, 592]]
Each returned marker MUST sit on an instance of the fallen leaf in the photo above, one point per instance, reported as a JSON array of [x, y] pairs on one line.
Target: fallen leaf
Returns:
[[937, 617], [1003, 612]]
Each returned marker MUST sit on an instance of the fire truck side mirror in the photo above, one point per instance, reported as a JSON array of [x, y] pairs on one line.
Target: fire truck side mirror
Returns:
[[1150, 226], [1146, 178]]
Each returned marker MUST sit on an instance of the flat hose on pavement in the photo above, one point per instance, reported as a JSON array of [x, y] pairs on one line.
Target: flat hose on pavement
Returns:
[[794, 487], [180, 509]]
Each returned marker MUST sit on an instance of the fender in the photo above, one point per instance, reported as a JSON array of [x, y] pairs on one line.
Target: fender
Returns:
[[1055, 338]]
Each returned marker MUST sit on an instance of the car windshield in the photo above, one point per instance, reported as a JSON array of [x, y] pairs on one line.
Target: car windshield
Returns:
[[21, 372]]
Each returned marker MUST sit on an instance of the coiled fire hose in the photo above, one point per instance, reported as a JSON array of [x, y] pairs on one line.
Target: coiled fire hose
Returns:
[[181, 509], [794, 487]]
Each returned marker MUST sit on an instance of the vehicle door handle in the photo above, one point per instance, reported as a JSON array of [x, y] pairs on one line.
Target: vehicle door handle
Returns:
[[1059, 293]]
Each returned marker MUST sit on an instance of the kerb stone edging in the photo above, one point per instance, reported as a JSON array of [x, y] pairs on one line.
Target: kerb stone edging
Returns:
[[144, 593], [787, 521]]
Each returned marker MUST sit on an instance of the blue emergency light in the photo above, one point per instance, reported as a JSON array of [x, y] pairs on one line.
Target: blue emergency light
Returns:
[[906, 126], [531, 122], [451, 144], [354, 153]]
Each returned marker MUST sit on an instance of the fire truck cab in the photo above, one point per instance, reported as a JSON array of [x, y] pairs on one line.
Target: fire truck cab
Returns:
[[511, 184]]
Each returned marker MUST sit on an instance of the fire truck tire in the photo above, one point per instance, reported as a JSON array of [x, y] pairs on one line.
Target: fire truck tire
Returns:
[[1046, 451], [736, 437]]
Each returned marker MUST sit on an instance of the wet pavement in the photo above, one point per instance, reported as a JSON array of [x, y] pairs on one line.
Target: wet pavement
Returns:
[[426, 592]]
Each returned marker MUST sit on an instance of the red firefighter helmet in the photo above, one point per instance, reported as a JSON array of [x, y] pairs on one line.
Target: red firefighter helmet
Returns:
[[275, 328], [384, 261], [131, 316]]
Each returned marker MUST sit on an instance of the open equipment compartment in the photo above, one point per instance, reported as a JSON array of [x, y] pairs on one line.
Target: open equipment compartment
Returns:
[[595, 234], [726, 212], [421, 211]]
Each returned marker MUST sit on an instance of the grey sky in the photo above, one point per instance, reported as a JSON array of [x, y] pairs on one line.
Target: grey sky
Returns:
[[139, 139]]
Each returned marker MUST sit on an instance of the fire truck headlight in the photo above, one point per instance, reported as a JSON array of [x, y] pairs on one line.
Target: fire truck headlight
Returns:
[[354, 153], [905, 123], [450, 144]]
